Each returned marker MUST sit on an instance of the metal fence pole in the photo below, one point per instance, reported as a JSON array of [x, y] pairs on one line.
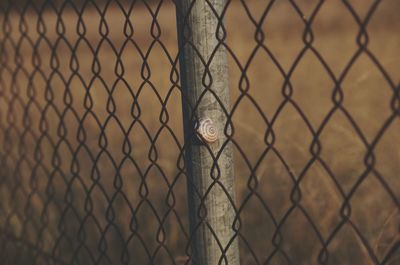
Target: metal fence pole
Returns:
[[205, 93]]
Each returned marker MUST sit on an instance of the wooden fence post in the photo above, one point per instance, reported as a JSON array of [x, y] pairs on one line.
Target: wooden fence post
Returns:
[[205, 96]]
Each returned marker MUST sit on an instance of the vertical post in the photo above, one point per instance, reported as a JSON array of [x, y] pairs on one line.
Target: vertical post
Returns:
[[205, 95]]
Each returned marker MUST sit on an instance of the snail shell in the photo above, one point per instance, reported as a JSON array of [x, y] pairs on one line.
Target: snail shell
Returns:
[[207, 130]]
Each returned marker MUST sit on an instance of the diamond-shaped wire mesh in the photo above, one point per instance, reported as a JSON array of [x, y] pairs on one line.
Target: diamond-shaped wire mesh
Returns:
[[92, 167]]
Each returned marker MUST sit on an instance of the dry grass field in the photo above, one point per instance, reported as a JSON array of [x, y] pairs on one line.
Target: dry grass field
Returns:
[[89, 172]]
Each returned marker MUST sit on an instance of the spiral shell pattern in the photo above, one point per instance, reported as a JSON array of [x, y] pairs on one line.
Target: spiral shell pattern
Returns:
[[207, 130]]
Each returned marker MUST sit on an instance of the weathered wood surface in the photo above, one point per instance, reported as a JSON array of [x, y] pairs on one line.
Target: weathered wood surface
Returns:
[[203, 64]]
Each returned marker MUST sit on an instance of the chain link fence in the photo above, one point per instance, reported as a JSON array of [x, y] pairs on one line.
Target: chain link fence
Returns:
[[102, 160]]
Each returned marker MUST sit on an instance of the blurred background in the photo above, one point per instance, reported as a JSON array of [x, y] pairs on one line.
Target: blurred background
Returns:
[[91, 135]]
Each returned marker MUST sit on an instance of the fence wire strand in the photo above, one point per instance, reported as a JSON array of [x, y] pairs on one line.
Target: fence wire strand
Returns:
[[92, 147]]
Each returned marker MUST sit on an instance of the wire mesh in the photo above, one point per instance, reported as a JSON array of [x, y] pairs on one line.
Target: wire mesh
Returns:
[[91, 131]]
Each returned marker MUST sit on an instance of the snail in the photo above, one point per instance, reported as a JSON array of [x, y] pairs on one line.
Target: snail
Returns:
[[207, 130]]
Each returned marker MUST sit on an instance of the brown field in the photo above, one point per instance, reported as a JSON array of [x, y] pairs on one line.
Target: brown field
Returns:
[[87, 166]]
